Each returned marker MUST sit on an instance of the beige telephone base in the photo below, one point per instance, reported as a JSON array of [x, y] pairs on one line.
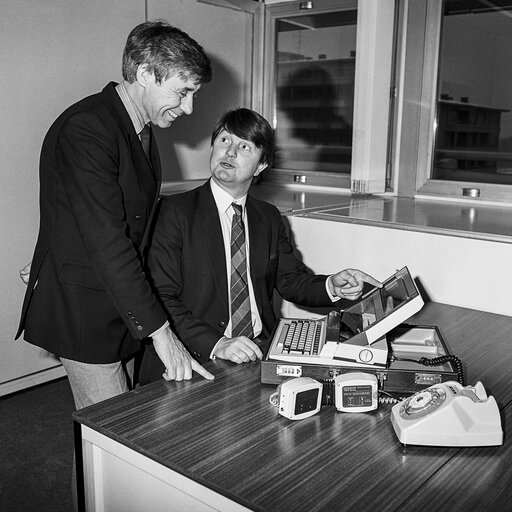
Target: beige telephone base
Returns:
[[448, 414]]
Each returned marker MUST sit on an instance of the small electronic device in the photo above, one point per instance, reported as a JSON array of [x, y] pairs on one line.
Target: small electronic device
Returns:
[[299, 397], [355, 335], [448, 414], [356, 392]]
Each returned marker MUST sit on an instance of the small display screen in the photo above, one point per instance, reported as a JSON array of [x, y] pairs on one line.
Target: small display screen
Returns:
[[377, 304], [306, 401], [357, 396]]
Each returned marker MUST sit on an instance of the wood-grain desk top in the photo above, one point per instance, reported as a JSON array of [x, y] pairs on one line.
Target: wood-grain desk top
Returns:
[[227, 436]]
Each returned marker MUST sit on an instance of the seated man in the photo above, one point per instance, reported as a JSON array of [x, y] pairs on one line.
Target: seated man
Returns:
[[217, 255]]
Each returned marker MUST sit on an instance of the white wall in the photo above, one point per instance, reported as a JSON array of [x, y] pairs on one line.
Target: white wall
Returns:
[[226, 35], [55, 52], [459, 271]]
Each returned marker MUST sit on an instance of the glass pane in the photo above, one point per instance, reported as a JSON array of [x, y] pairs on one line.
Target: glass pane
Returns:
[[474, 118], [315, 69]]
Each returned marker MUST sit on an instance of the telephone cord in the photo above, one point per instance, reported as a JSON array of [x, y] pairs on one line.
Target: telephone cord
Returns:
[[444, 359]]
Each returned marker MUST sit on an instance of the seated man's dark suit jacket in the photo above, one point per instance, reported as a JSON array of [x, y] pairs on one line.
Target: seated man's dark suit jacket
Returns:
[[87, 297], [187, 265]]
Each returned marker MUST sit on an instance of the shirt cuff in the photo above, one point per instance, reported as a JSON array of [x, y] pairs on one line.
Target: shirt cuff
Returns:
[[213, 349], [333, 298], [158, 331]]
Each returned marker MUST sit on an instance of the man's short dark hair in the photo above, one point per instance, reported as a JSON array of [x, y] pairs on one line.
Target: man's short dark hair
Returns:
[[167, 51], [248, 125]]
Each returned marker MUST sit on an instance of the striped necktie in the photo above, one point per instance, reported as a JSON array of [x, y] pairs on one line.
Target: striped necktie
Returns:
[[240, 305]]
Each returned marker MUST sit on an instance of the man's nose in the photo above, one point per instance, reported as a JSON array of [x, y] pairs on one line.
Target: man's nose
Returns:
[[187, 105], [231, 150]]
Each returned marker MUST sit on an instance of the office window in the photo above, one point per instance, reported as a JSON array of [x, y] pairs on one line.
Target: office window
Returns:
[[314, 96], [453, 120], [326, 90], [473, 140]]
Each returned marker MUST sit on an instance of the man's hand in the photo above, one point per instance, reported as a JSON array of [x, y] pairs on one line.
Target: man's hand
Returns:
[[25, 272], [178, 362], [348, 284], [239, 350]]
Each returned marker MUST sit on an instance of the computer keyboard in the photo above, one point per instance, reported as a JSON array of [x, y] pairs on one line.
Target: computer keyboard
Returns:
[[300, 337]]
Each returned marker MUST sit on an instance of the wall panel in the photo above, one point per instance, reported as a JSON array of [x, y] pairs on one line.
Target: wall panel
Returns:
[[53, 53]]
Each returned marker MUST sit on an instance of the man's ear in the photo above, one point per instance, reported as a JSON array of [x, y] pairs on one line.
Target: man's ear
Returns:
[[144, 77], [260, 168]]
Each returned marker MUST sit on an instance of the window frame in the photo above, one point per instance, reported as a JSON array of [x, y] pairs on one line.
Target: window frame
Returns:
[[416, 82], [374, 58]]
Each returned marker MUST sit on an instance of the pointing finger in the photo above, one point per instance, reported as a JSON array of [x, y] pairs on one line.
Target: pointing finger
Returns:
[[202, 371]]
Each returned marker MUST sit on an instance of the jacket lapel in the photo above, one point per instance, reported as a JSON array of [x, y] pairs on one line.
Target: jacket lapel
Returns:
[[212, 235], [259, 249], [145, 174], [155, 158], [148, 178]]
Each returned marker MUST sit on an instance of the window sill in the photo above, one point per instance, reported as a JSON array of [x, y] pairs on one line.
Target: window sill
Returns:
[[467, 218]]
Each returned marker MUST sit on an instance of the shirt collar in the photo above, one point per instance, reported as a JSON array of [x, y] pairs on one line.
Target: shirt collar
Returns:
[[133, 111], [223, 199]]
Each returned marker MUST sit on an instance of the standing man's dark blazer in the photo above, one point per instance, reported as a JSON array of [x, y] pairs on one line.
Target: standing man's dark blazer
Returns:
[[187, 265], [87, 297]]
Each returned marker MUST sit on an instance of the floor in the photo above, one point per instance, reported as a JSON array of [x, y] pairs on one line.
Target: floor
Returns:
[[36, 449]]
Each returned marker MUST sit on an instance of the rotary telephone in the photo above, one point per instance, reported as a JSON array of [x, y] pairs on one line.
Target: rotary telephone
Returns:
[[448, 414]]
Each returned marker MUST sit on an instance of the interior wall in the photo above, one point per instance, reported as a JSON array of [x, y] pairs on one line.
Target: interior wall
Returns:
[[226, 36], [451, 270], [56, 52]]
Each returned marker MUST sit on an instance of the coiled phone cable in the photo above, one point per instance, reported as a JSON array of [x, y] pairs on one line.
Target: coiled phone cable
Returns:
[[444, 359]]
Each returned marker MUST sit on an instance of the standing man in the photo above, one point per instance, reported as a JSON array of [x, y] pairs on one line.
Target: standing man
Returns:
[[218, 254], [88, 300]]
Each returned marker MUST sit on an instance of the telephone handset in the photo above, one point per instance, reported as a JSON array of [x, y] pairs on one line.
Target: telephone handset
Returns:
[[448, 414]]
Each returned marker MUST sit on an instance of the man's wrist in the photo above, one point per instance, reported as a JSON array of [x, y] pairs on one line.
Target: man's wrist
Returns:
[[212, 353], [329, 287], [160, 332]]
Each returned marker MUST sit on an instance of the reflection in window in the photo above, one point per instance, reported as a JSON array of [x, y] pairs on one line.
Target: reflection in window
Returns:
[[314, 102], [474, 108]]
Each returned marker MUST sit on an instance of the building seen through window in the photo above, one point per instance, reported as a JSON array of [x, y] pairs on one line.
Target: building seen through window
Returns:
[[441, 126], [473, 141], [314, 95]]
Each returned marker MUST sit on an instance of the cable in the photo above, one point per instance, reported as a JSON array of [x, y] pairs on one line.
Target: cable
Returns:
[[425, 361], [444, 359], [389, 398]]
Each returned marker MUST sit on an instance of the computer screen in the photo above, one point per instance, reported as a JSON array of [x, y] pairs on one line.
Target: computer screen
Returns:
[[377, 304]]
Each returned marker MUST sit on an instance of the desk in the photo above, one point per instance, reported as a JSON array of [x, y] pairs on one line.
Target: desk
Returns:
[[220, 445]]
